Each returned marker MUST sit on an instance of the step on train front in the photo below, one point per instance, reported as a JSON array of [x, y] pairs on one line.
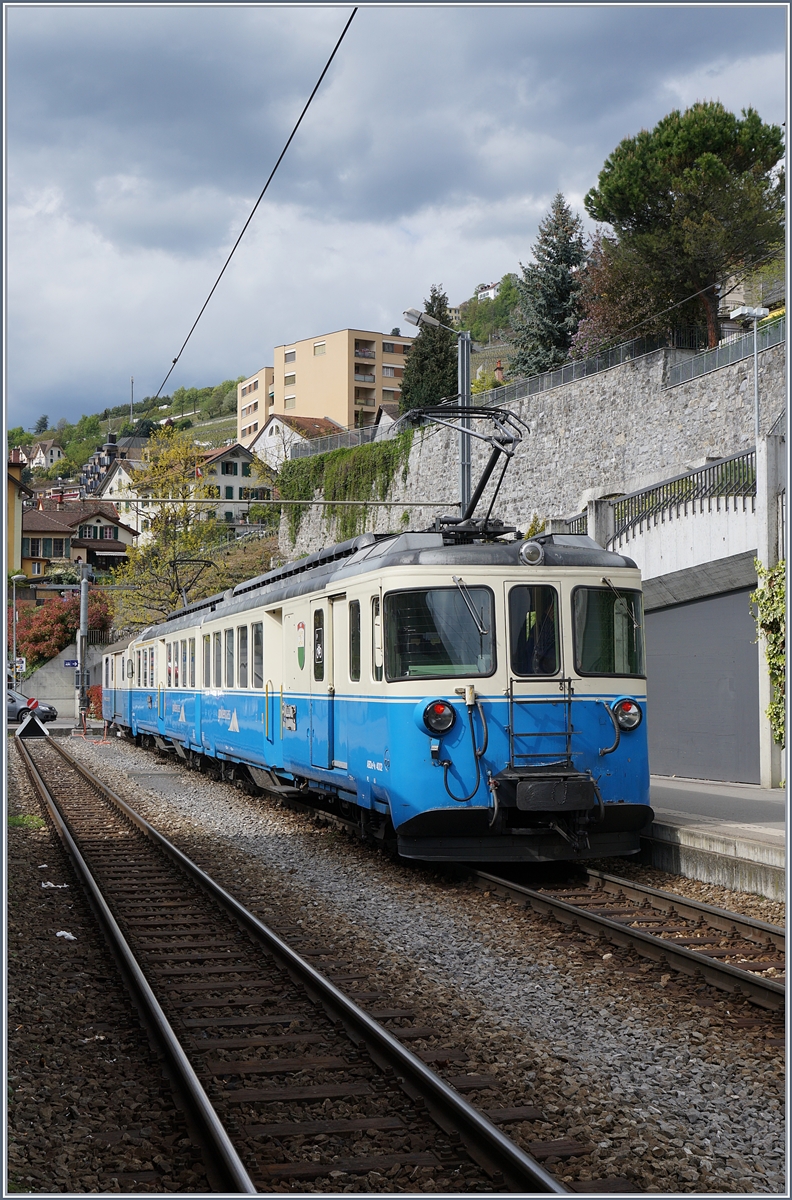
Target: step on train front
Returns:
[[481, 702]]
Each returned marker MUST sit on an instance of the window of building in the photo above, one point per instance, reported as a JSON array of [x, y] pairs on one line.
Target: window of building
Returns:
[[289, 401], [258, 655], [289, 381], [229, 493], [290, 356], [36, 568], [242, 653], [229, 468], [319, 348], [229, 516], [110, 533], [389, 372], [57, 547], [388, 348], [246, 470], [218, 661], [35, 547]]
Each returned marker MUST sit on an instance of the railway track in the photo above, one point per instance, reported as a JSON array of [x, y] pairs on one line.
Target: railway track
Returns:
[[283, 1078], [731, 951]]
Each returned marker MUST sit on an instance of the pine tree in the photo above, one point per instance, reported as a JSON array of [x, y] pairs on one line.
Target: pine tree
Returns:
[[548, 311], [430, 373]]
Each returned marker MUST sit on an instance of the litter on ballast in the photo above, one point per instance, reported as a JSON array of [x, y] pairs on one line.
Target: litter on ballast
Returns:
[[46, 883], [64, 933]]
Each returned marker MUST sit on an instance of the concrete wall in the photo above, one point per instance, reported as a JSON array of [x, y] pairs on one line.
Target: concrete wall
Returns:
[[54, 683], [608, 434], [724, 527]]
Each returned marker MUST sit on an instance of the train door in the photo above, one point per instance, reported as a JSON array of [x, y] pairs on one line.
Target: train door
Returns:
[[320, 640], [339, 641], [540, 717]]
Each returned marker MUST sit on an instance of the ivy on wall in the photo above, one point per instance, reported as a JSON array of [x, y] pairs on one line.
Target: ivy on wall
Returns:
[[770, 601], [361, 473]]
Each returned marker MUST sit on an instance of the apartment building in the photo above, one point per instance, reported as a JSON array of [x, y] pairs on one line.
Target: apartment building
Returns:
[[252, 410], [342, 376]]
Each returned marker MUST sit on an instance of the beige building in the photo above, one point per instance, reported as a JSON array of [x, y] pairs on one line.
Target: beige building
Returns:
[[252, 410], [343, 376]]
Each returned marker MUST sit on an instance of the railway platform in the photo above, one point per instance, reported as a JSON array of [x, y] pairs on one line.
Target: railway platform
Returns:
[[731, 834]]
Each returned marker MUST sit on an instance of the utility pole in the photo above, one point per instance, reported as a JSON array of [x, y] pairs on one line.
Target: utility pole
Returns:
[[81, 697], [131, 397], [463, 386]]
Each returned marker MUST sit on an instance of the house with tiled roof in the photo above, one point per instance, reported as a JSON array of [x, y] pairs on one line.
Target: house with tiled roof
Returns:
[[16, 494], [279, 433], [43, 455], [81, 531]]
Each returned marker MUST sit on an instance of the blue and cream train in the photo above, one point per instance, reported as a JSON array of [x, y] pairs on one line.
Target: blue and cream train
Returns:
[[475, 702]]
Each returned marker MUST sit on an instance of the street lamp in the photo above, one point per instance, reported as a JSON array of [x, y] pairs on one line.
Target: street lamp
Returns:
[[14, 581], [755, 314], [416, 317]]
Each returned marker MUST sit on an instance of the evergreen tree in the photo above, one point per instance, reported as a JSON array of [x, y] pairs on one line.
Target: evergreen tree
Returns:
[[430, 373], [693, 201], [42, 425], [548, 311]]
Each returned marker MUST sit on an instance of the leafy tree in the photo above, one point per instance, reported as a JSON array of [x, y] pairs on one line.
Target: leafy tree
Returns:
[[548, 311], [145, 428], [485, 382], [172, 475], [43, 631], [615, 298], [18, 436], [693, 201], [430, 373], [196, 563], [42, 425], [491, 319]]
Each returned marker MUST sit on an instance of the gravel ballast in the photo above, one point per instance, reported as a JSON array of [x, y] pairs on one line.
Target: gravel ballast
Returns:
[[89, 1109], [648, 1070]]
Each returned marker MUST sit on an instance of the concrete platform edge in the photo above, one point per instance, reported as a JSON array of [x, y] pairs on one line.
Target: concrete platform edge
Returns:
[[711, 864]]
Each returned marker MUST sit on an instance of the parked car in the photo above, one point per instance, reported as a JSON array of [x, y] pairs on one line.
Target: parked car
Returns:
[[18, 708]]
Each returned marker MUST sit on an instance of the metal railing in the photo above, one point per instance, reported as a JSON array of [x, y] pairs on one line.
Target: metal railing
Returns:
[[732, 478], [578, 524], [772, 333], [681, 339], [781, 551], [342, 440]]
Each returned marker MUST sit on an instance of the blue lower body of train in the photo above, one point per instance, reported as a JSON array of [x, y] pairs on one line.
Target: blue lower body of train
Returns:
[[534, 781]]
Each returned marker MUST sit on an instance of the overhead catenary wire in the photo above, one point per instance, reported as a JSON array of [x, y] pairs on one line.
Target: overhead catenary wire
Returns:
[[258, 202]]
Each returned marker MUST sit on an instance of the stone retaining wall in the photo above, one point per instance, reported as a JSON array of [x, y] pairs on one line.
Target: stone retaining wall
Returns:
[[608, 434]]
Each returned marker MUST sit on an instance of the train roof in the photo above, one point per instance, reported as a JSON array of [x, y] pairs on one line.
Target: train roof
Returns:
[[370, 552]]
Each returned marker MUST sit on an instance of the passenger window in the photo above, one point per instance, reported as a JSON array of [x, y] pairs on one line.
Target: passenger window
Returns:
[[192, 662], [122, 670], [318, 657], [258, 655], [242, 651], [354, 640], [184, 663], [175, 664], [151, 666], [218, 661], [376, 638], [533, 629], [137, 656], [170, 661], [229, 656]]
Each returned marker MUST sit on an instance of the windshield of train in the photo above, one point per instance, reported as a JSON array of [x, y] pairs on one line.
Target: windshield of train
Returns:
[[608, 626], [439, 633]]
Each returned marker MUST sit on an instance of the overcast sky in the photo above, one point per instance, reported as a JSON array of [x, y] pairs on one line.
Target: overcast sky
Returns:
[[139, 138]]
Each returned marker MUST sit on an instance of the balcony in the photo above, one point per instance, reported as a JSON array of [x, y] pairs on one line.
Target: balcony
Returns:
[[360, 378], [362, 352]]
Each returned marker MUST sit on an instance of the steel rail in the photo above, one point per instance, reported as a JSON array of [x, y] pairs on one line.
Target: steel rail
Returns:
[[224, 1166], [770, 993], [719, 918], [484, 1142]]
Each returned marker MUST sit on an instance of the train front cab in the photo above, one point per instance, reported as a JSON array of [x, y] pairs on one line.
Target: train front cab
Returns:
[[559, 680]]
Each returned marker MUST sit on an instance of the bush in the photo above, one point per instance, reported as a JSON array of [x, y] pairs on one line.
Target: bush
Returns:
[[43, 631], [95, 700]]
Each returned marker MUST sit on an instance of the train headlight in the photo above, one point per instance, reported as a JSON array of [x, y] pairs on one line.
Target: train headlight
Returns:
[[532, 554], [628, 714], [438, 717]]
